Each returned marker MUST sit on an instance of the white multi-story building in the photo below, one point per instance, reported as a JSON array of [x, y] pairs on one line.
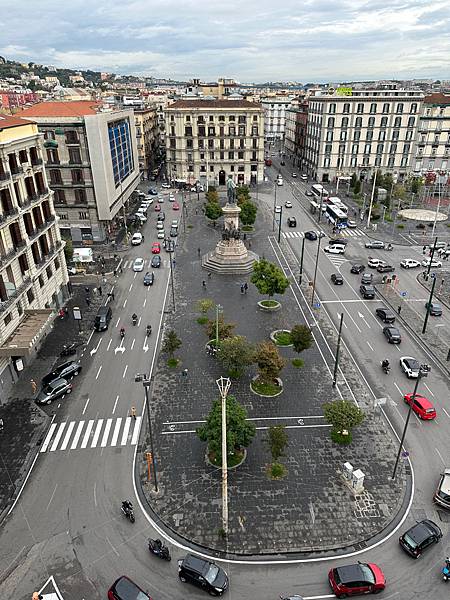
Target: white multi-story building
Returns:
[[362, 131], [433, 136], [208, 140], [275, 117], [33, 274]]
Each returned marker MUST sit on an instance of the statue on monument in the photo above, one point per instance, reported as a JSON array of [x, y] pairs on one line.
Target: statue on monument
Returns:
[[231, 190]]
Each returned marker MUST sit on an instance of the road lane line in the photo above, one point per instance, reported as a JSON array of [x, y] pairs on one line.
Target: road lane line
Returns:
[[137, 427], [446, 412], [67, 436], [425, 385], [132, 343], [124, 371], [117, 322], [369, 347], [399, 390], [98, 428], [85, 406], [116, 432], [98, 372], [440, 456], [109, 344], [106, 432], [77, 435], [48, 437], [95, 493], [58, 436], [115, 404], [51, 497], [115, 551], [87, 433], [125, 431]]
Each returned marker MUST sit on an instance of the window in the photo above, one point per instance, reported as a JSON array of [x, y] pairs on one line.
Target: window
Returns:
[[360, 108], [344, 122], [406, 148], [77, 176], [55, 177], [391, 162], [232, 118], [59, 197], [358, 122], [63, 216], [80, 196], [83, 215], [371, 122], [383, 122], [72, 137], [357, 136], [210, 144], [332, 108], [400, 108], [328, 148], [240, 155], [355, 148], [409, 134], [74, 156], [30, 296], [404, 162], [346, 110], [121, 149], [211, 131], [326, 162], [188, 118], [382, 136], [367, 148], [41, 281], [173, 143], [373, 108], [369, 134], [413, 108], [49, 135], [201, 144], [411, 121], [190, 143], [202, 168], [330, 122], [221, 117], [241, 129], [231, 130], [343, 136], [395, 134], [386, 108], [8, 320], [188, 131], [329, 136], [211, 168], [201, 130], [393, 149], [49, 272], [353, 161], [230, 155], [398, 122], [380, 148]]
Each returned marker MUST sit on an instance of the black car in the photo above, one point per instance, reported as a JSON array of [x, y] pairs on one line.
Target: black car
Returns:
[[125, 589], [367, 278], [419, 537], [358, 268], [53, 390], [292, 222], [161, 216], [341, 241], [282, 163], [385, 314], [156, 261], [66, 370], [434, 308], [374, 244], [385, 268], [311, 235], [203, 573], [337, 279], [149, 278], [367, 291], [152, 192], [392, 334]]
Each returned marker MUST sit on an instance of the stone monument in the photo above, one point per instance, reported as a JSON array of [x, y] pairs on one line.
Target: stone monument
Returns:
[[230, 256]]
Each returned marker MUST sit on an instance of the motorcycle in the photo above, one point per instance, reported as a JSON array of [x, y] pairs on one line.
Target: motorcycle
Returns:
[[386, 368], [389, 247], [446, 570], [69, 350], [134, 319], [122, 333], [128, 512], [149, 330], [157, 548]]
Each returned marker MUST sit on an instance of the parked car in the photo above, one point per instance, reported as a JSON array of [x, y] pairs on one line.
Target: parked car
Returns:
[[294, 175], [288, 204], [353, 580], [156, 248], [157, 207], [149, 278], [410, 366], [385, 268], [367, 278], [53, 390], [420, 537], [282, 163], [102, 318], [203, 573], [373, 263], [125, 589], [156, 261], [166, 186], [392, 334], [309, 193], [435, 309], [337, 279], [175, 206], [280, 181], [367, 291], [136, 239], [374, 244], [340, 241], [434, 263], [161, 234], [152, 192], [138, 265], [141, 216], [442, 493], [159, 225], [409, 263], [385, 314], [161, 216], [292, 222], [304, 177], [335, 249], [65, 370], [357, 268], [311, 235]]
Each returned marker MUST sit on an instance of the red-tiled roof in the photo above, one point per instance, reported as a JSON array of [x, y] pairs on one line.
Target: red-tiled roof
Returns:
[[437, 98], [225, 104], [7, 121], [78, 108]]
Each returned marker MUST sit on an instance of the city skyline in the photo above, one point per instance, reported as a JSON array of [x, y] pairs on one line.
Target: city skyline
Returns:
[[318, 41]]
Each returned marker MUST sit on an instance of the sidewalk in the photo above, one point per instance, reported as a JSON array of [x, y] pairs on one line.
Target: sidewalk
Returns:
[[311, 509]]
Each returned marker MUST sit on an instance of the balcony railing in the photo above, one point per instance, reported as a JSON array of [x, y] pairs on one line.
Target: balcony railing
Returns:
[[15, 171], [22, 287], [5, 176], [4, 258], [37, 162]]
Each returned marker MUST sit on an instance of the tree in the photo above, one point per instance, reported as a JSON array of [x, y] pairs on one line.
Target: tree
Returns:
[[353, 180], [301, 337], [269, 361], [68, 250], [248, 213], [225, 329], [242, 194], [171, 343], [240, 432], [277, 440], [268, 278], [343, 415], [205, 305], [212, 195], [236, 353], [213, 211], [357, 187]]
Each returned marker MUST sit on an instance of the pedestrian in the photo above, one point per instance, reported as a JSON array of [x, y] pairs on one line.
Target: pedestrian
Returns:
[[184, 372], [103, 272], [115, 272], [245, 287], [399, 309], [133, 412], [33, 386], [116, 258], [204, 283], [209, 275], [1, 424], [88, 301], [174, 263], [100, 291], [424, 249], [198, 251], [87, 290], [112, 294], [249, 244], [66, 311], [143, 239], [242, 288]]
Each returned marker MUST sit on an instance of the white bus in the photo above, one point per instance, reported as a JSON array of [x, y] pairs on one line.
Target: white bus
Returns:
[[337, 202], [318, 191], [336, 216]]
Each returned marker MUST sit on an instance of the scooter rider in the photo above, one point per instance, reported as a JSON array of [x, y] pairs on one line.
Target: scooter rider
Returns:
[[385, 364], [149, 330], [122, 332], [127, 506], [134, 318]]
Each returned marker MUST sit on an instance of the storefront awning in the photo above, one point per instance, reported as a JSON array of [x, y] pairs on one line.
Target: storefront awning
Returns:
[[28, 333]]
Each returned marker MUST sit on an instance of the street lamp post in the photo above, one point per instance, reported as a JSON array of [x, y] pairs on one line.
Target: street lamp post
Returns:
[[315, 271], [336, 360], [372, 196], [423, 372], [433, 250], [146, 383], [218, 310], [424, 328], [170, 247], [320, 207], [279, 223], [301, 262], [274, 205], [224, 383]]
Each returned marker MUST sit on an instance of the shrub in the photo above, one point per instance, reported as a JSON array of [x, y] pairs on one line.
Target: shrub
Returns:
[[268, 278], [277, 471], [236, 354], [297, 363], [225, 329], [269, 361], [171, 343], [301, 337]]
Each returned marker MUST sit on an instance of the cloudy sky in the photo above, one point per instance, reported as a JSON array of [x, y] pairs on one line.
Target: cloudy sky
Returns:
[[249, 40]]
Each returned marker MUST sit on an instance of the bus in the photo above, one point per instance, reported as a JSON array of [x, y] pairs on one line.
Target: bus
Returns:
[[337, 202], [318, 191], [336, 216]]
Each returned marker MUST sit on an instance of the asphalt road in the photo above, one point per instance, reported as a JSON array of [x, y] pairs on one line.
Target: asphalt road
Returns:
[[68, 523]]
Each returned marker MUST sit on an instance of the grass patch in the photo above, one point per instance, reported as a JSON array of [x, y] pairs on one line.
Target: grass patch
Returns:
[[247, 228], [265, 388], [172, 362], [269, 303], [202, 320], [233, 459], [340, 438], [190, 226], [400, 226], [298, 363], [277, 471], [283, 338], [448, 224]]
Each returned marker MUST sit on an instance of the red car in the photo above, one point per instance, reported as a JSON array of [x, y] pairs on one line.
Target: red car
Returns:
[[176, 206], [157, 207], [421, 406], [156, 248], [125, 589], [352, 580]]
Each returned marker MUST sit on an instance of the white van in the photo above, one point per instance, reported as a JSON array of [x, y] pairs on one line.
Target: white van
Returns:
[[280, 181], [136, 240]]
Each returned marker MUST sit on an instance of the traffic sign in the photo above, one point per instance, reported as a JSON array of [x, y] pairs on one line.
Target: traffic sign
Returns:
[[403, 294], [316, 304]]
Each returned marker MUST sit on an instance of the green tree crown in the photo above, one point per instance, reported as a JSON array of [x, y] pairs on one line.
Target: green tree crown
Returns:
[[268, 278], [171, 343], [277, 440], [248, 213], [301, 337], [213, 211], [343, 415], [236, 353], [269, 361]]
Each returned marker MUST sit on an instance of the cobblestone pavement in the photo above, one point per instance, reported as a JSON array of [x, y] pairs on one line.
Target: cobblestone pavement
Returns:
[[311, 509]]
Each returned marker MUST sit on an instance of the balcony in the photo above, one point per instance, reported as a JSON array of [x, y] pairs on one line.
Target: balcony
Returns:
[[16, 171], [5, 176], [8, 215], [5, 258], [37, 162], [15, 294]]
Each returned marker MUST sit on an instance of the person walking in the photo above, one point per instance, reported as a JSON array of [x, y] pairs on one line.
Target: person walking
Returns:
[[100, 291], [399, 309], [424, 249], [88, 301], [245, 287], [242, 288], [33, 386], [133, 412], [204, 283], [198, 251]]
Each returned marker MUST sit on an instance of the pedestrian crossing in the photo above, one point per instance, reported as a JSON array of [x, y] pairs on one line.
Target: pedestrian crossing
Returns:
[[337, 260], [343, 233], [128, 264], [92, 433]]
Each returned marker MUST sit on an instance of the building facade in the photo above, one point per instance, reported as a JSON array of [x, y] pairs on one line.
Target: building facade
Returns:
[[433, 136], [147, 134], [361, 131], [33, 274], [91, 162], [208, 140], [275, 117], [295, 133]]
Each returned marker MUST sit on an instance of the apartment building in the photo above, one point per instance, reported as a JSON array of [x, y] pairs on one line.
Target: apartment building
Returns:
[[433, 136], [360, 130], [147, 134], [208, 140], [275, 117], [33, 274], [295, 132], [91, 162]]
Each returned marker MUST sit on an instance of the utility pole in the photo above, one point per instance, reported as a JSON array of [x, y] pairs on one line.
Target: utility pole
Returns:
[[146, 383], [433, 250], [301, 262], [372, 196], [424, 328], [170, 248], [274, 205], [224, 383], [336, 360], [315, 271], [320, 207], [279, 223]]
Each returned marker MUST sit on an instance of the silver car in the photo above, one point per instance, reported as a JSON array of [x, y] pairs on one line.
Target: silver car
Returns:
[[138, 265]]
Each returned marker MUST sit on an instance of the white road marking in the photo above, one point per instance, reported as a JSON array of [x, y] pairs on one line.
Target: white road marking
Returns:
[[438, 453], [125, 303], [106, 433], [399, 390], [115, 404], [98, 372], [132, 343], [257, 428], [125, 431], [109, 344], [425, 385], [77, 435], [125, 371], [145, 301], [87, 433], [117, 322], [131, 286], [96, 433], [58, 436], [95, 493], [137, 427], [116, 432], [446, 412], [51, 497], [296, 418], [85, 406], [67, 436], [48, 437], [366, 343]]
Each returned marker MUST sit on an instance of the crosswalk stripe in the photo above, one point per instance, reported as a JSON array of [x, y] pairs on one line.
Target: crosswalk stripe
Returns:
[[97, 433], [116, 432], [48, 437], [137, 427], [58, 437], [87, 433], [67, 436], [77, 435], [106, 433], [125, 431]]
